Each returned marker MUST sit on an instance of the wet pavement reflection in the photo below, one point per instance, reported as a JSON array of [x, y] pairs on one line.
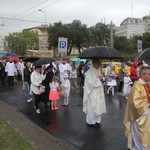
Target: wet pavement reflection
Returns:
[[68, 123]]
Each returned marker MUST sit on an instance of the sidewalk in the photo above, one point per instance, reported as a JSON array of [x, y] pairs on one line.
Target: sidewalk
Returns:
[[39, 138]]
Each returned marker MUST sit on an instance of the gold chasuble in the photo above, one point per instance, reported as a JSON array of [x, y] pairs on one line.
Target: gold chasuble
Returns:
[[137, 110]]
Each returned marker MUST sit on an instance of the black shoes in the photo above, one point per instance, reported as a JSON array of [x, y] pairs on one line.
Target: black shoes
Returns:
[[96, 125]]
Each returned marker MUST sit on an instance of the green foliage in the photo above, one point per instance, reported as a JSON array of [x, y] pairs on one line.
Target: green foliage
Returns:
[[76, 32], [128, 47], [146, 40], [19, 42], [146, 17], [99, 35], [78, 35], [10, 140]]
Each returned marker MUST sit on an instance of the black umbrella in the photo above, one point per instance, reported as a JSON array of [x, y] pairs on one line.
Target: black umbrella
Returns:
[[43, 61], [10, 54], [100, 52], [31, 59], [144, 55]]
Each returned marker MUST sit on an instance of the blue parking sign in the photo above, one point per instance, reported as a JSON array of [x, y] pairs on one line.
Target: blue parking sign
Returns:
[[62, 44]]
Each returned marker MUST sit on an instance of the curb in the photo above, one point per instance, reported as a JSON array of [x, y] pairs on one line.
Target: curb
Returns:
[[39, 138]]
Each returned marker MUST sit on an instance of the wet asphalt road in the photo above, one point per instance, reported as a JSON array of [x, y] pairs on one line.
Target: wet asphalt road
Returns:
[[68, 123]]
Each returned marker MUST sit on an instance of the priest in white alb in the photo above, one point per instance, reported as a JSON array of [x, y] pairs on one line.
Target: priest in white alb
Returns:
[[93, 99]]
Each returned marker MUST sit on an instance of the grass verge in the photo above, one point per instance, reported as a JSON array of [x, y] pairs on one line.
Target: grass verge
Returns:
[[10, 140]]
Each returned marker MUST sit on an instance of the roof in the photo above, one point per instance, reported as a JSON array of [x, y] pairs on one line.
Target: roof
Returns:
[[41, 28], [129, 18]]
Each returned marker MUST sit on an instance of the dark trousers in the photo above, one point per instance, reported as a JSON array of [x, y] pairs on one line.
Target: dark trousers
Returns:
[[37, 100], [3, 80], [10, 81], [120, 86], [45, 97], [82, 81]]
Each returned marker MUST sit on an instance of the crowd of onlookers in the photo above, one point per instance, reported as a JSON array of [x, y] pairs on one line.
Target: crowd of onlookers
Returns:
[[123, 80], [50, 81]]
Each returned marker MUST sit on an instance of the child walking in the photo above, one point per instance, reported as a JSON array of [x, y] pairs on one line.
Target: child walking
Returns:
[[66, 88], [112, 83], [127, 85], [53, 94]]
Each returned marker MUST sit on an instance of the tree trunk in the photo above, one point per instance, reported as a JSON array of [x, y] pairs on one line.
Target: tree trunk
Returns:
[[69, 51]]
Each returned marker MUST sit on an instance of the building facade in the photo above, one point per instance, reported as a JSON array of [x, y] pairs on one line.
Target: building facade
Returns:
[[133, 26], [42, 35]]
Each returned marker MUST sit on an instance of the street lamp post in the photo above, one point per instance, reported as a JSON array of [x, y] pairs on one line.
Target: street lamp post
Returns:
[[44, 27]]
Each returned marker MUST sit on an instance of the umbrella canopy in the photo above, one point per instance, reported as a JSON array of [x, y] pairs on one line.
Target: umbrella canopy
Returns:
[[10, 54], [31, 59], [2, 52], [76, 59], [15, 58], [44, 61], [144, 55], [100, 52]]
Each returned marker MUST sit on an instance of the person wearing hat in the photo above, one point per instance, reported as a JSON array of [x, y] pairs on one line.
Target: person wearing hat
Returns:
[[133, 71], [36, 86], [66, 88]]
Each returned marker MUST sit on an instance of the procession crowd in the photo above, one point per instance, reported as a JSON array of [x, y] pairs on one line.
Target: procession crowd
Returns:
[[49, 82]]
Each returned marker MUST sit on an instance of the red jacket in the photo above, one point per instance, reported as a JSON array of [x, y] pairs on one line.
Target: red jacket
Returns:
[[133, 71]]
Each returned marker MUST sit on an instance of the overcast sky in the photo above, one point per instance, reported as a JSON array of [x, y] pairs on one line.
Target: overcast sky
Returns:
[[88, 11]]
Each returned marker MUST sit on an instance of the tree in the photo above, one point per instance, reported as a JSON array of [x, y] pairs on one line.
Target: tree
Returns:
[[55, 31], [76, 33], [19, 42], [79, 34], [122, 43], [146, 40], [99, 35]]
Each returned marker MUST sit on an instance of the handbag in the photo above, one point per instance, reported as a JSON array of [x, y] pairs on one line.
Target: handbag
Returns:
[[41, 89], [61, 92]]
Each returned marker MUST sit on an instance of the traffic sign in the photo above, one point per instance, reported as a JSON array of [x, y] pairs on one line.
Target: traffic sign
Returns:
[[139, 46], [62, 44]]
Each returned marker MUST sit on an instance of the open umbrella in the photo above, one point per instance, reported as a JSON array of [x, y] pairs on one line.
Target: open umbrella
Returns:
[[31, 59], [100, 52], [44, 61], [2, 52], [144, 55], [10, 54], [15, 58]]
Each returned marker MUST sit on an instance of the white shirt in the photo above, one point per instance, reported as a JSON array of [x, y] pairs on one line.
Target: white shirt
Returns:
[[63, 68], [10, 69], [73, 73], [54, 85], [66, 86], [36, 80], [21, 67]]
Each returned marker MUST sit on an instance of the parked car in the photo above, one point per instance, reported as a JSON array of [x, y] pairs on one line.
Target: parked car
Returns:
[[117, 67]]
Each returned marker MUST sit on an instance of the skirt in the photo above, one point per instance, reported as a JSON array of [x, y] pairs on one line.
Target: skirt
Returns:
[[53, 95], [112, 83]]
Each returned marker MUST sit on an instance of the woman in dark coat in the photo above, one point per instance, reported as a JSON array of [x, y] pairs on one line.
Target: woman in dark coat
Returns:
[[49, 75]]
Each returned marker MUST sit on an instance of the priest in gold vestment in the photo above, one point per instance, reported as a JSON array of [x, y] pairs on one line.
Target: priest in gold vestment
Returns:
[[137, 113]]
